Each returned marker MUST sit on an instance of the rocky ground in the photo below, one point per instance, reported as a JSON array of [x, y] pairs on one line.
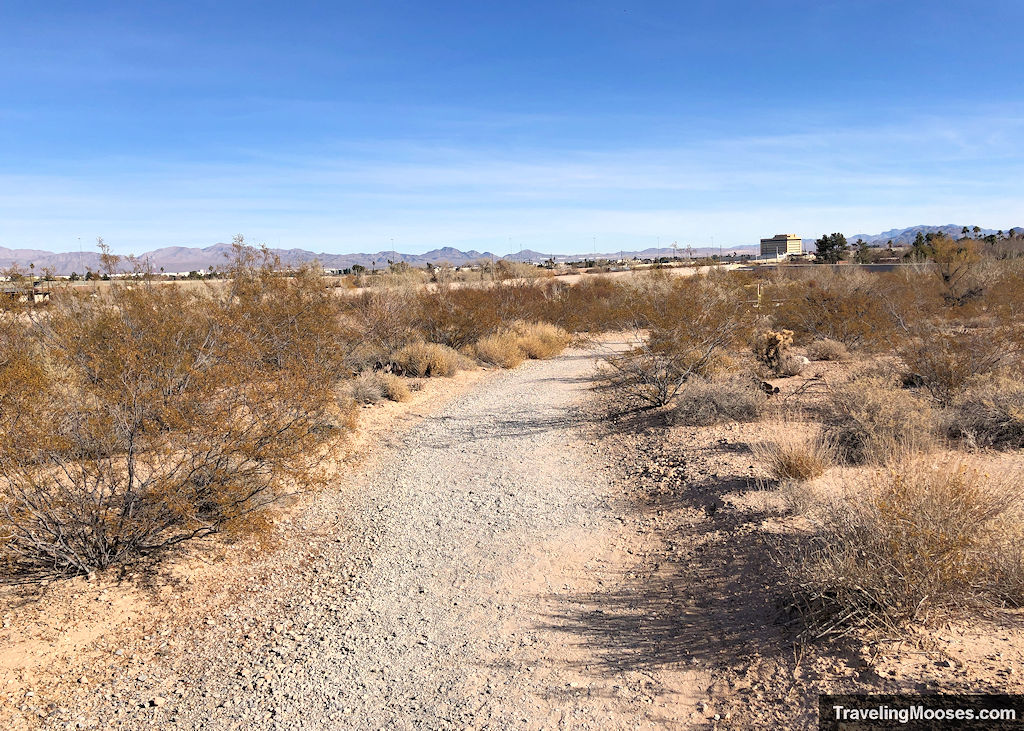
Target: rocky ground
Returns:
[[508, 552]]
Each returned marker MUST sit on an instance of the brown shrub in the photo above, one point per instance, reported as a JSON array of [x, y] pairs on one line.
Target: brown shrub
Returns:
[[791, 365], [386, 320], [502, 350], [540, 340], [684, 327], [162, 414], [942, 362], [374, 386], [912, 540], [702, 402], [827, 349], [873, 420], [793, 456], [394, 388], [459, 317], [427, 359], [989, 413], [844, 307], [595, 304]]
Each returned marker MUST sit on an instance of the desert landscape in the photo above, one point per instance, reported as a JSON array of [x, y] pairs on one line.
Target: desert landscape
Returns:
[[554, 366], [642, 501]]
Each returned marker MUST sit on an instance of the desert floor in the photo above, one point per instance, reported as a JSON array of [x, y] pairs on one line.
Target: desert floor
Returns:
[[505, 551]]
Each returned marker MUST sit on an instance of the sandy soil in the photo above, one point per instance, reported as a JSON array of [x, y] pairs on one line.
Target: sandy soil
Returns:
[[506, 551], [441, 585]]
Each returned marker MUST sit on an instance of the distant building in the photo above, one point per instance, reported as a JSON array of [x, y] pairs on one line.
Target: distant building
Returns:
[[780, 246]]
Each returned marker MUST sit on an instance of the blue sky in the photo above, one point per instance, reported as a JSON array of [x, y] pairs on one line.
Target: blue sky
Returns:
[[341, 126]]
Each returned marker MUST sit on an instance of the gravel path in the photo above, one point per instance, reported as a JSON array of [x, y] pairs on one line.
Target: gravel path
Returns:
[[445, 602]]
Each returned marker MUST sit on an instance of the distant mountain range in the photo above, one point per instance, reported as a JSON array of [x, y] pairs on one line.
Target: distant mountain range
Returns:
[[182, 259], [905, 236], [185, 259]]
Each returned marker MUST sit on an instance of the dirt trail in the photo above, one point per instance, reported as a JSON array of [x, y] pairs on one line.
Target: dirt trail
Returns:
[[444, 587]]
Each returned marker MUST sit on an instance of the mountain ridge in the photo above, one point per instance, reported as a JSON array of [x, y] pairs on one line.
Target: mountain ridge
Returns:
[[183, 259]]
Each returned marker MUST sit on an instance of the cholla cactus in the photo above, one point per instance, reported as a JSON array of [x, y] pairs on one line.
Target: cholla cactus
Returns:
[[770, 348]]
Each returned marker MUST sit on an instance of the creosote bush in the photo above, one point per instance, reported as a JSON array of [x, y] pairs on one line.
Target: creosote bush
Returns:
[[873, 420], [703, 402], [147, 415], [427, 359], [914, 540], [682, 329], [942, 362], [848, 307]]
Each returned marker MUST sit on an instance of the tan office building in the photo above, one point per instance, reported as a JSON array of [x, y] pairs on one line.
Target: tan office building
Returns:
[[781, 245]]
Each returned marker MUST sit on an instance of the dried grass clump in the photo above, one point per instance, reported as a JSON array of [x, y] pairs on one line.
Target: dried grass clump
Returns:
[[373, 387], [541, 340], [502, 350], [703, 403], [791, 365], [827, 349], [989, 413], [911, 541], [427, 359], [794, 456], [872, 421]]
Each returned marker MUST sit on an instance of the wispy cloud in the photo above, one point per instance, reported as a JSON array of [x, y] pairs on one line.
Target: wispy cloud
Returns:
[[347, 196]]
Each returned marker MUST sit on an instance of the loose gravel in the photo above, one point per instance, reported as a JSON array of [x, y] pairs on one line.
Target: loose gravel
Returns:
[[426, 593]]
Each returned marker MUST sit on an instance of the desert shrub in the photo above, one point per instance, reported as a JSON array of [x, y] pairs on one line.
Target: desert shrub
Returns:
[[374, 386], [827, 349], [956, 266], [540, 340], [458, 317], [791, 365], [161, 414], [873, 420], [912, 540], [794, 456], [843, 307], [394, 388], [683, 328], [942, 362], [386, 320], [427, 359], [501, 349], [702, 402], [989, 412], [507, 269], [595, 304]]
